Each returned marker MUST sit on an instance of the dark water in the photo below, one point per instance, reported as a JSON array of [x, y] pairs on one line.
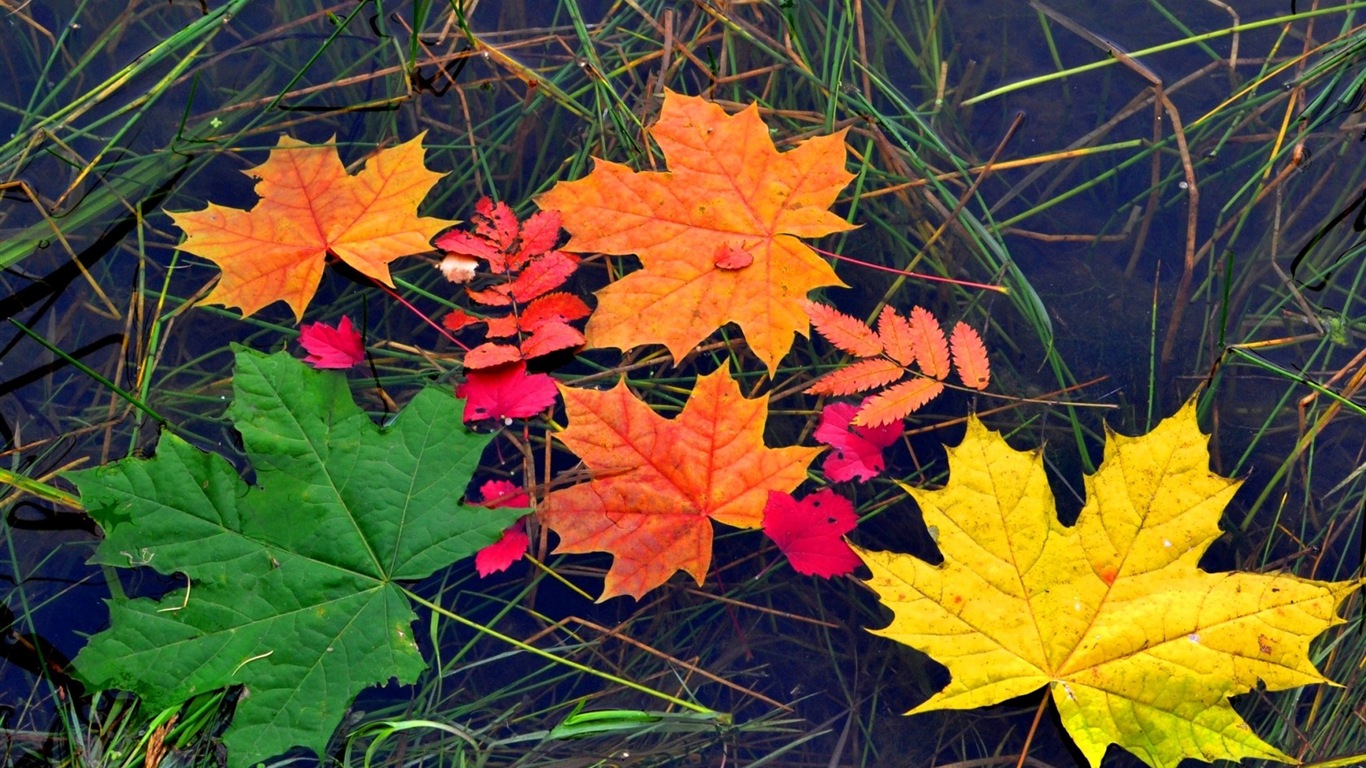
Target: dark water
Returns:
[[1097, 285]]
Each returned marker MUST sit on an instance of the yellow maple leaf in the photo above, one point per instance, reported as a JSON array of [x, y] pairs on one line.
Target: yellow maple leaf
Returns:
[[1137, 645], [718, 234], [311, 207]]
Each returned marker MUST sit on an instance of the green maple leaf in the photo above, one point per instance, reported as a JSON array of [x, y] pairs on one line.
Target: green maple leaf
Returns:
[[292, 591]]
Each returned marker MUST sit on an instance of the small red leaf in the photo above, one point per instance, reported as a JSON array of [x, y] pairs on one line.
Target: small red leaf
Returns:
[[501, 554], [857, 450], [496, 296], [809, 531], [502, 327], [500, 494], [857, 377], [550, 337], [732, 258], [931, 348], [539, 233], [332, 348], [542, 276], [506, 392], [846, 333], [457, 319], [509, 548], [488, 355], [970, 357], [553, 307]]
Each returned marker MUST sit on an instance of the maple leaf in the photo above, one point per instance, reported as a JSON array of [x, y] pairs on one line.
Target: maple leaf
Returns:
[[858, 450], [293, 583], [526, 268], [888, 355], [810, 532], [509, 548], [660, 482], [335, 348], [309, 208], [728, 190], [506, 392], [1137, 645]]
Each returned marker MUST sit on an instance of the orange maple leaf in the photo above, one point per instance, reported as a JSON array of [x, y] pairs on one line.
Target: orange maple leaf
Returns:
[[718, 235], [311, 207], [660, 482], [888, 355]]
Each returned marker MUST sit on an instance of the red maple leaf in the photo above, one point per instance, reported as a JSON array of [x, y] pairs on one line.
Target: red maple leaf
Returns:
[[506, 392], [335, 348], [810, 531], [509, 548], [858, 450]]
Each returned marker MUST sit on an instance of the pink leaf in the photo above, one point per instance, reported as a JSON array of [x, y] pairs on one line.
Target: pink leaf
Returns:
[[506, 392], [500, 555], [858, 450], [327, 347], [809, 531]]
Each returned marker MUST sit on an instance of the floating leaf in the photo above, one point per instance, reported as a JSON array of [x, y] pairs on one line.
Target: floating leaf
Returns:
[[810, 532], [292, 583], [506, 392], [309, 208], [728, 190], [658, 483], [970, 357], [336, 348], [858, 450], [1136, 644]]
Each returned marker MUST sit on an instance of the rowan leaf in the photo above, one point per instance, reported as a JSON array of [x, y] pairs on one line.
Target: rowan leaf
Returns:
[[970, 356], [810, 532], [1137, 645], [858, 377], [897, 402], [845, 333], [553, 307], [728, 189], [311, 207], [931, 348], [292, 583], [897, 338], [490, 354], [658, 483]]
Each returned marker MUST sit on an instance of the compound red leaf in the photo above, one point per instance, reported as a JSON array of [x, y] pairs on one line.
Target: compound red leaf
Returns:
[[857, 377], [506, 392], [495, 296], [810, 531], [332, 348], [847, 334], [898, 401], [857, 451], [970, 356]]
